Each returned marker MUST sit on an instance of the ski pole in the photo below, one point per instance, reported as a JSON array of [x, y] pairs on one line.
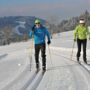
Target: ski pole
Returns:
[[30, 58], [72, 50], [50, 55]]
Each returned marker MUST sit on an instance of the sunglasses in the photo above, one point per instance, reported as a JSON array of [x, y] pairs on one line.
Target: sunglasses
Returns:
[[37, 23]]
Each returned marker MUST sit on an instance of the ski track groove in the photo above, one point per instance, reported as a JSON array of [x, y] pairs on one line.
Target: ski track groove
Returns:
[[8, 85], [3, 56], [81, 69], [88, 70], [36, 81], [74, 77], [29, 81], [85, 68], [22, 75]]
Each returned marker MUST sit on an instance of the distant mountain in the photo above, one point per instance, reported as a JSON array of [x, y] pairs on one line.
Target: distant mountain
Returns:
[[16, 26], [21, 24]]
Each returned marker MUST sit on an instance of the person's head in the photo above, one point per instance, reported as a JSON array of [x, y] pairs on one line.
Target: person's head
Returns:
[[82, 22], [37, 23]]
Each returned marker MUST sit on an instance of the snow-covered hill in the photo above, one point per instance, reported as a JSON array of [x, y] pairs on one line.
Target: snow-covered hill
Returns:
[[21, 25], [17, 69]]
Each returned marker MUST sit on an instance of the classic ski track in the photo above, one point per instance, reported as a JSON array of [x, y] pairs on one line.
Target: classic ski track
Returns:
[[82, 69], [20, 78], [71, 70], [36, 81], [85, 68], [30, 81], [3, 56], [73, 60]]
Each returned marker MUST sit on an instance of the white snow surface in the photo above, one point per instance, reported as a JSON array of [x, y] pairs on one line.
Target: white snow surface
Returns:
[[17, 66]]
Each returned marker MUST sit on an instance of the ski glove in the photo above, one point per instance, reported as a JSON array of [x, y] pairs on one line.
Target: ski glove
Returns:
[[49, 42], [33, 28], [74, 40]]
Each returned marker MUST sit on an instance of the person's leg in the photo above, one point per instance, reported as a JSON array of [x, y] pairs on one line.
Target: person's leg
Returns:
[[79, 48], [43, 53], [37, 50], [84, 50]]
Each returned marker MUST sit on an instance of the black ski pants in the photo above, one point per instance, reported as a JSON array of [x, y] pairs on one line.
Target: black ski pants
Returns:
[[42, 48], [84, 43]]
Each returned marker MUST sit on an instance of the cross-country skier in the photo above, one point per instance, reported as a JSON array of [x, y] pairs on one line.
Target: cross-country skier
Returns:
[[40, 32], [81, 34]]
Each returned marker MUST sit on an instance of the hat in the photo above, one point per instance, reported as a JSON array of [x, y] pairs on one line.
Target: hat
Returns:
[[82, 21], [37, 21]]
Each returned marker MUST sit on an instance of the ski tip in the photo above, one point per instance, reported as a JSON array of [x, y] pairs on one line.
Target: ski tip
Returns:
[[37, 71], [79, 63], [43, 72]]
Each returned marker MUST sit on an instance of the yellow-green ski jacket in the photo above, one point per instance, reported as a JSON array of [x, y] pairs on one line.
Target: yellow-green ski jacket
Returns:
[[81, 32]]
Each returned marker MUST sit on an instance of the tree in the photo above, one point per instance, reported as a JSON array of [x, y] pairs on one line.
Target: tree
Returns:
[[7, 32]]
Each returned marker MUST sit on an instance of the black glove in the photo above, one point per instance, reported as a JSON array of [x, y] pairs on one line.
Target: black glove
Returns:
[[74, 40], [49, 42], [33, 28]]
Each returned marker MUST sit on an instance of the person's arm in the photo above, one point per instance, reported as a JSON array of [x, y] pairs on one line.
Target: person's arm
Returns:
[[33, 28], [88, 33], [48, 36], [31, 32], [75, 33]]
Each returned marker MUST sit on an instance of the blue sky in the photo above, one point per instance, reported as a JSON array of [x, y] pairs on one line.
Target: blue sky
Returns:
[[44, 8]]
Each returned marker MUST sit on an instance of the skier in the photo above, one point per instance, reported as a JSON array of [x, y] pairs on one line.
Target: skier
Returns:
[[39, 32], [81, 33]]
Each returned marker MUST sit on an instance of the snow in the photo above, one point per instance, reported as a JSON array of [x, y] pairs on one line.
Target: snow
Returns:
[[17, 66], [21, 24]]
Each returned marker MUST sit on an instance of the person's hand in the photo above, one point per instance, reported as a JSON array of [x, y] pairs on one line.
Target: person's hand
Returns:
[[74, 40], [49, 42], [33, 28]]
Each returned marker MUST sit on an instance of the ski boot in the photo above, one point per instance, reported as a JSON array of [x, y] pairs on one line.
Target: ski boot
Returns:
[[37, 68], [44, 69], [78, 60], [85, 61]]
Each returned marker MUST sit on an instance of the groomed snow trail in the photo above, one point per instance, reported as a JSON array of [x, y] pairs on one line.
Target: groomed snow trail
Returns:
[[65, 74], [62, 72]]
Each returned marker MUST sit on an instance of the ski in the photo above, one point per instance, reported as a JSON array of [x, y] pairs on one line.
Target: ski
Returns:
[[43, 72], [37, 71], [79, 62]]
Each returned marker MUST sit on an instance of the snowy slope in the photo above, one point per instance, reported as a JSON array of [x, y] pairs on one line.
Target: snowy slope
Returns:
[[62, 72]]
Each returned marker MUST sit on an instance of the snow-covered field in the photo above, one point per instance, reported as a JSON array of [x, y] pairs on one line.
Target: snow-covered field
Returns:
[[17, 69]]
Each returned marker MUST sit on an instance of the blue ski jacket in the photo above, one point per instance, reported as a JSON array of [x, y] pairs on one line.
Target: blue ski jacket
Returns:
[[39, 35]]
